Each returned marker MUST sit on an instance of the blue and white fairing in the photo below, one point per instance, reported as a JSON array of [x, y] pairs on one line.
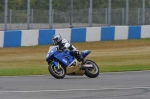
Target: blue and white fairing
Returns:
[[62, 57], [85, 53], [51, 51]]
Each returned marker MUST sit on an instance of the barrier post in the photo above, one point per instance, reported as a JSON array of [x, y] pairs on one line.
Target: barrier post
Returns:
[[50, 14], [28, 14], [10, 12], [123, 16], [5, 14], [90, 13], [138, 15], [109, 12], [143, 12], [106, 15], [127, 12], [71, 12]]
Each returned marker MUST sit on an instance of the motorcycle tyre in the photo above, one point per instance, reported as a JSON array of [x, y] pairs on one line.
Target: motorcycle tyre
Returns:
[[53, 74], [90, 75]]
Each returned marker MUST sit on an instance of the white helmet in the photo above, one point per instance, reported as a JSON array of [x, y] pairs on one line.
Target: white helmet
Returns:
[[56, 39]]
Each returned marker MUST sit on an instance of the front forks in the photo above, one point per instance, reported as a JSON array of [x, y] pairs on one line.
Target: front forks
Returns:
[[59, 66]]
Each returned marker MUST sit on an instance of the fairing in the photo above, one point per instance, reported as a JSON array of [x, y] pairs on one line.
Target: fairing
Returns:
[[62, 57], [65, 58], [52, 50], [85, 53]]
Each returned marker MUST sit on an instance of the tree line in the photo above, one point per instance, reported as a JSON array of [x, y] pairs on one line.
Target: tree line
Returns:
[[64, 5]]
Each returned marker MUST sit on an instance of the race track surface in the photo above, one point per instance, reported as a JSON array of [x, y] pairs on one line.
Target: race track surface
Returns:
[[127, 85]]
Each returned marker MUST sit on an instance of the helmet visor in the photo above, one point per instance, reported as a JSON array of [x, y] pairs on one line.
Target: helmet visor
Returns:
[[55, 40]]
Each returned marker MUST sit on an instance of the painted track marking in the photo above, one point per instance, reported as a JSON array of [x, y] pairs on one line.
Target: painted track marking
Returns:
[[67, 90]]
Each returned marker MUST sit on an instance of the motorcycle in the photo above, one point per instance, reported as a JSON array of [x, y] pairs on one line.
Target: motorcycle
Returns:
[[61, 63]]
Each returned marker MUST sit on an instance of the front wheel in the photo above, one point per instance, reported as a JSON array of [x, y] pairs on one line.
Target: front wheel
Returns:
[[92, 72], [55, 72]]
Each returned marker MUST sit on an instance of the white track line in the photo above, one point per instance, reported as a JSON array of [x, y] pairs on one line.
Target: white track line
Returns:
[[67, 90]]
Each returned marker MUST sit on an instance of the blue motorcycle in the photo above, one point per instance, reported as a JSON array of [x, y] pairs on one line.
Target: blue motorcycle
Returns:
[[61, 63]]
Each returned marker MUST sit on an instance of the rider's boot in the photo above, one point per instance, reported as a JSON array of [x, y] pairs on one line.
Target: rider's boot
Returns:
[[82, 60]]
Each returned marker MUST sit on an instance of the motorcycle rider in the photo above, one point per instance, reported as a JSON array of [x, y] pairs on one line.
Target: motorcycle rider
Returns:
[[64, 44]]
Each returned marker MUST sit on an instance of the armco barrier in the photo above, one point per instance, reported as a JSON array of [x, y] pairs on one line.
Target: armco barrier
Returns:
[[43, 37]]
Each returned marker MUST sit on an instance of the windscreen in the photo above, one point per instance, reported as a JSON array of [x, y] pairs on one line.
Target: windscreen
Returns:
[[52, 47]]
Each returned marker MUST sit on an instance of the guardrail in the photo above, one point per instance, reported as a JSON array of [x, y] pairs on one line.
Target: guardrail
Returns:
[[43, 37]]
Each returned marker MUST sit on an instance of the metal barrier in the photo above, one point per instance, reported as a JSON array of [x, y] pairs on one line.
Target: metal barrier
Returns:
[[42, 37]]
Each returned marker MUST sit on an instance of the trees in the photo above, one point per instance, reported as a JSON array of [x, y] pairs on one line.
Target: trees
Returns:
[[1, 5], [64, 5]]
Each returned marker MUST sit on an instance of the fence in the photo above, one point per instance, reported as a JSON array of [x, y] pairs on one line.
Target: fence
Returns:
[[47, 14]]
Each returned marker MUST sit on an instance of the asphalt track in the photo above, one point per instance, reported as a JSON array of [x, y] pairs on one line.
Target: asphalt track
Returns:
[[127, 85]]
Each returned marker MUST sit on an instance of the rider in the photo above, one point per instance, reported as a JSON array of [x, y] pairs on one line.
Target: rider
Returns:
[[64, 44]]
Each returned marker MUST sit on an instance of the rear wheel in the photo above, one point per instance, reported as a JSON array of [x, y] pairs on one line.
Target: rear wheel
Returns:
[[92, 72], [55, 72]]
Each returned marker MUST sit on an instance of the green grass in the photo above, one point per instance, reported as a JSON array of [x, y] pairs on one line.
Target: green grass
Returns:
[[23, 71], [111, 56]]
